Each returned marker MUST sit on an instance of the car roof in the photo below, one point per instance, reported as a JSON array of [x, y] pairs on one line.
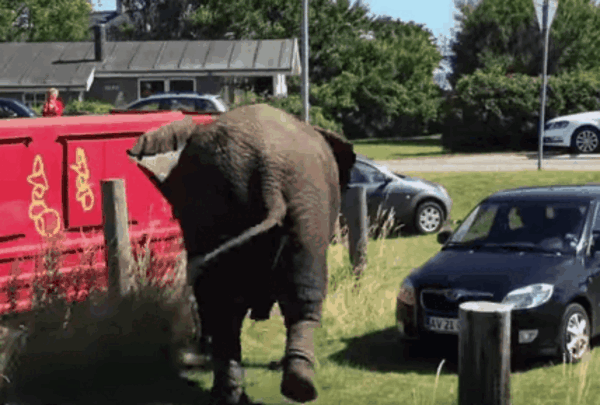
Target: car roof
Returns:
[[586, 192], [182, 94], [11, 100]]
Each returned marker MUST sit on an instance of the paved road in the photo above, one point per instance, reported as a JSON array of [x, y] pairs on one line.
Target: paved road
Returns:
[[495, 162]]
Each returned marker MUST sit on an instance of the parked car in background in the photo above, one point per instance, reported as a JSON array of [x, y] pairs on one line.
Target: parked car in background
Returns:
[[537, 249], [11, 108], [421, 205], [579, 132], [188, 103]]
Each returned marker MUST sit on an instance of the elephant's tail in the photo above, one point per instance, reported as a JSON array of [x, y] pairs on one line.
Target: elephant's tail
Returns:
[[274, 218]]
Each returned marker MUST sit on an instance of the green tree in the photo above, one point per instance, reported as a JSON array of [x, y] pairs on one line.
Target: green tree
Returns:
[[44, 20], [506, 34], [367, 72], [386, 83], [157, 20]]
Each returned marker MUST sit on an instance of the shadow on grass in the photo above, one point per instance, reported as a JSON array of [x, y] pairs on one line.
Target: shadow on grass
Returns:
[[116, 378], [383, 351], [109, 383]]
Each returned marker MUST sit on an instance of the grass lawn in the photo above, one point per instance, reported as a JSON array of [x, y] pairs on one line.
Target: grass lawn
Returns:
[[360, 361], [386, 149]]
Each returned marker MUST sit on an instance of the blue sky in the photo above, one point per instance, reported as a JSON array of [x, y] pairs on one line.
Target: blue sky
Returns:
[[437, 15]]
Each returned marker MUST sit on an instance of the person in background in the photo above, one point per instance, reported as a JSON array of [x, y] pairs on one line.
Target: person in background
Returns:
[[147, 90], [53, 106]]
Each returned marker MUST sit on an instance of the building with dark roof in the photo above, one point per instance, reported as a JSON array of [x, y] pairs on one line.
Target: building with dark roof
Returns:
[[118, 72]]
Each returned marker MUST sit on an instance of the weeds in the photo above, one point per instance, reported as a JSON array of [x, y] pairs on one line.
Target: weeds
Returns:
[[381, 227], [76, 330]]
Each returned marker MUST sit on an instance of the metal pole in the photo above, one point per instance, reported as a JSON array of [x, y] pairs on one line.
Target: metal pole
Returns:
[[544, 83], [305, 87]]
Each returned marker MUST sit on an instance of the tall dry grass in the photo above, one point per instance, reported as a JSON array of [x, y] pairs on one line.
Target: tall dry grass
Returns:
[[76, 333]]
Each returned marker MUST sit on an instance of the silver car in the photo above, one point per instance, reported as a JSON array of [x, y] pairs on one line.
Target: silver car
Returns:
[[185, 102], [418, 204]]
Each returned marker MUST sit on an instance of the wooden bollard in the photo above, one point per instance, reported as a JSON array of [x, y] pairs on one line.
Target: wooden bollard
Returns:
[[116, 236], [354, 208], [484, 353]]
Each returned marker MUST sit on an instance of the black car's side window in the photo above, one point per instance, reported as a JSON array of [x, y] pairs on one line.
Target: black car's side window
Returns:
[[596, 231], [356, 176], [205, 106], [7, 112], [371, 174]]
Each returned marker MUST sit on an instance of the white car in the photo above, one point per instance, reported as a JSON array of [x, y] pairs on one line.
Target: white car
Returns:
[[579, 132]]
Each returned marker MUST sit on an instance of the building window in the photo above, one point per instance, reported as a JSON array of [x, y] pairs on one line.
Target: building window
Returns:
[[148, 87], [34, 99], [181, 85]]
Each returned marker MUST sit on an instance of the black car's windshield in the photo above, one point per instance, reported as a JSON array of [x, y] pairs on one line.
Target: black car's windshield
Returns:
[[526, 226]]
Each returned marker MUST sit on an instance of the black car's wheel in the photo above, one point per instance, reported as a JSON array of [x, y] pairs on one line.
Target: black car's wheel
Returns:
[[575, 333], [429, 217], [585, 140]]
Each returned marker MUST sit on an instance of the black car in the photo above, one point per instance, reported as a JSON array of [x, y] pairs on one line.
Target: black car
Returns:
[[420, 204], [535, 248], [10, 108]]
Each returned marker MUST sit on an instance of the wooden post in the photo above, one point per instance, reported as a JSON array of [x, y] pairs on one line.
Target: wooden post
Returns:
[[484, 353], [116, 236], [354, 208]]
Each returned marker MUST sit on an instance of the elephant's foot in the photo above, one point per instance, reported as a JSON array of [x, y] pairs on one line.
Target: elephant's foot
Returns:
[[228, 384], [298, 373], [219, 398], [297, 383]]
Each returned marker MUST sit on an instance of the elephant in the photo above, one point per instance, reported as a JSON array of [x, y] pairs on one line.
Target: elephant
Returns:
[[257, 193]]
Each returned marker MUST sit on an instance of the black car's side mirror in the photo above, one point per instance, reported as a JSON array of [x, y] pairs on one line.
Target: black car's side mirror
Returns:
[[443, 236]]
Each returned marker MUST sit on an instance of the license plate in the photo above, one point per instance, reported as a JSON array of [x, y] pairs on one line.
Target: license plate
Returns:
[[442, 325]]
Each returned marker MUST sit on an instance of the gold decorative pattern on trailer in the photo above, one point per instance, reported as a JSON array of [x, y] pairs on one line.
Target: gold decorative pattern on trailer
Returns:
[[84, 189], [46, 220]]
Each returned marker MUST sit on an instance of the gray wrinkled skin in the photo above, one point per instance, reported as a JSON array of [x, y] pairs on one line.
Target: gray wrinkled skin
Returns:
[[257, 194]]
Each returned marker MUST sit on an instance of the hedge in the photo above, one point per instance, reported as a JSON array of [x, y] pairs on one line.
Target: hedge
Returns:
[[292, 104], [493, 110]]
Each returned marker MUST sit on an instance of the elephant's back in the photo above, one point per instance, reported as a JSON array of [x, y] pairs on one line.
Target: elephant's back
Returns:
[[275, 130]]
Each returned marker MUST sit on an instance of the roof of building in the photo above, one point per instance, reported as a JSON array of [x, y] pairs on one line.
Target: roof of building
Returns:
[[71, 65]]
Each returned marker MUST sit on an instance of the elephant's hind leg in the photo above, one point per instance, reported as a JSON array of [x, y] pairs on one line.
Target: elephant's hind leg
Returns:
[[298, 364], [223, 318], [301, 305]]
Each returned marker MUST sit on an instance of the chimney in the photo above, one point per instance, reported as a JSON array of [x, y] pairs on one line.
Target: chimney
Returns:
[[120, 7], [99, 42]]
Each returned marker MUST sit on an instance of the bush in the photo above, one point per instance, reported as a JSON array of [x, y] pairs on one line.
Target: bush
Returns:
[[80, 341], [90, 106], [293, 105], [494, 110]]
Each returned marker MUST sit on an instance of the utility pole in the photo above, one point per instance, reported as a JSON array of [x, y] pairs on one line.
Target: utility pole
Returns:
[[305, 84], [545, 13]]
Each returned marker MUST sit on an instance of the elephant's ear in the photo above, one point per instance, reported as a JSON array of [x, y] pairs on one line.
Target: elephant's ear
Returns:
[[168, 138], [343, 151]]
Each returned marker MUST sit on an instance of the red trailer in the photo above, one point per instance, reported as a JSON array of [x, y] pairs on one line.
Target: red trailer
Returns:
[[50, 172]]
